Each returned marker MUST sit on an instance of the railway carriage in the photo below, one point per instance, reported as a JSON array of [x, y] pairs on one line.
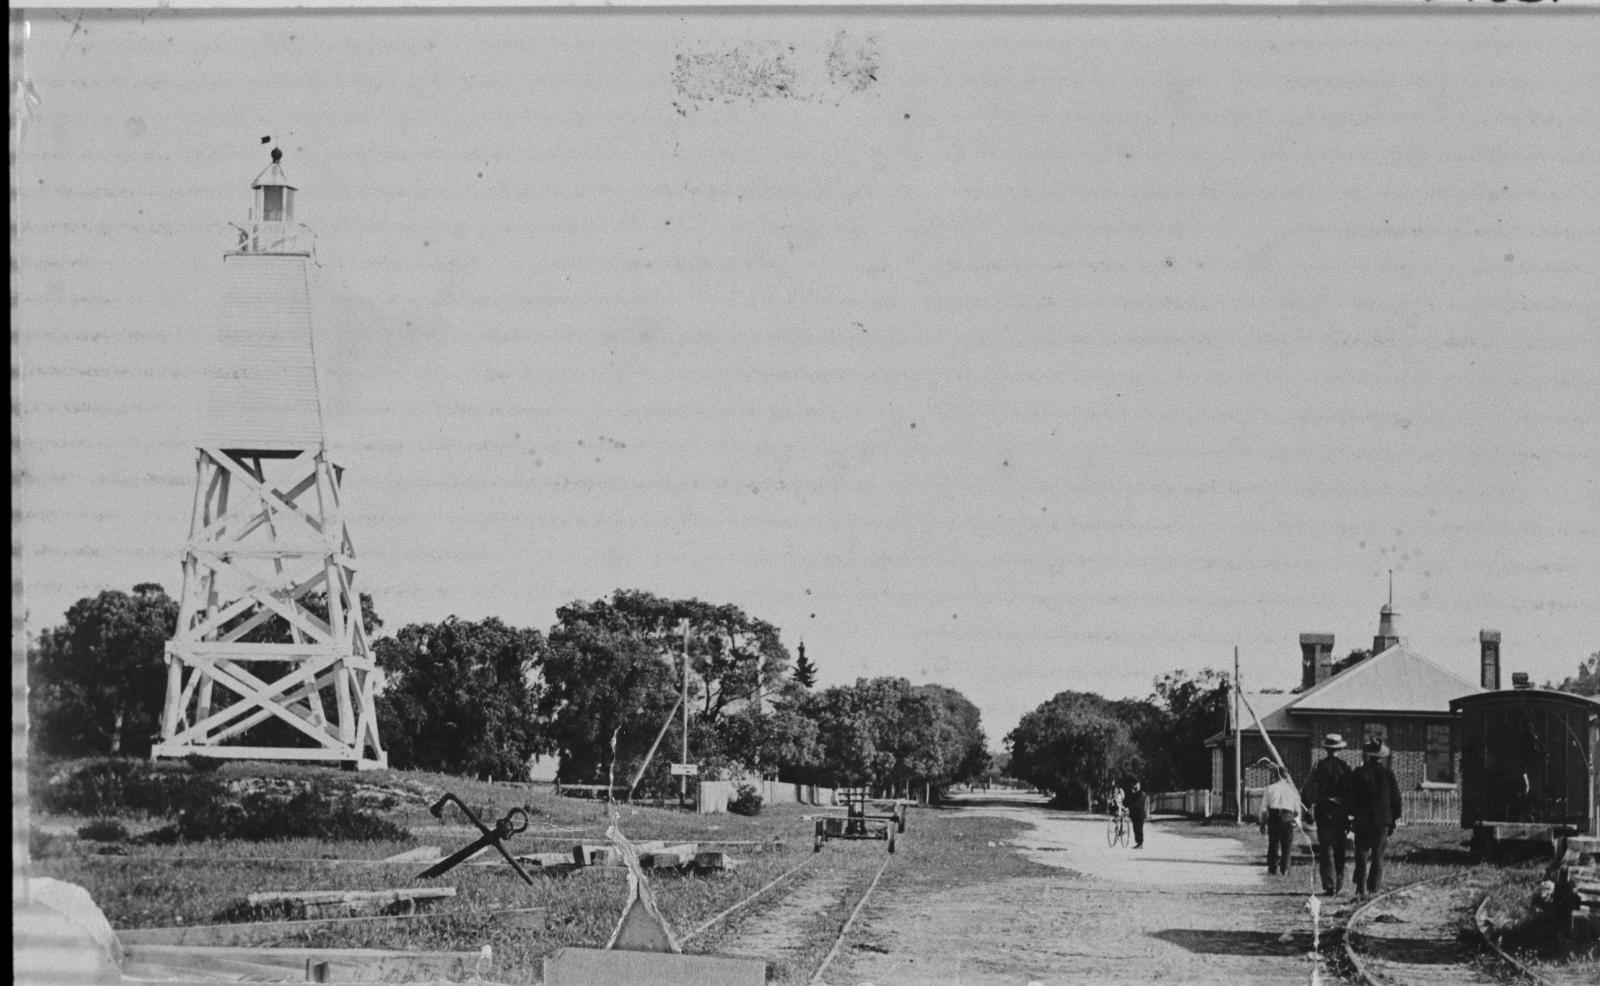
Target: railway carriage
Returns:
[[1527, 764]]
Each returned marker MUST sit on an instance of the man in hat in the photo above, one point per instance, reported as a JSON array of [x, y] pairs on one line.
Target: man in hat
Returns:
[[1373, 797], [1138, 810], [1324, 793], [1280, 816]]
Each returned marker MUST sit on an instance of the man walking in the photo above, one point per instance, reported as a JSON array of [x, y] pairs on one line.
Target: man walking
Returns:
[[1280, 812], [1324, 793], [1137, 810], [1374, 800]]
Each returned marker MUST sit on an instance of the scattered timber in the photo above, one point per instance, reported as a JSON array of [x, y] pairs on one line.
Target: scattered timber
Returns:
[[264, 933], [345, 965], [345, 903]]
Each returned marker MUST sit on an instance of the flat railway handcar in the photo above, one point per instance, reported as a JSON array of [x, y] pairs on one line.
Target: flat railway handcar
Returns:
[[1527, 764]]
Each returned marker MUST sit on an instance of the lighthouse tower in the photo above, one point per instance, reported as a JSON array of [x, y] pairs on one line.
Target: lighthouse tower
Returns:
[[270, 660]]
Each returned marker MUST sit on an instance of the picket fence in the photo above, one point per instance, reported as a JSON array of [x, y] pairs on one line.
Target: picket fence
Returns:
[[1426, 807]]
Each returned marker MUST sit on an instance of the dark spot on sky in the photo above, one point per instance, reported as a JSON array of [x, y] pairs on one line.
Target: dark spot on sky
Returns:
[[291, 37], [908, 116], [480, 174], [913, 424], [813, 616], [425, 243], [1005, 462], [1510, 257], [669, 222], [1169, 261]]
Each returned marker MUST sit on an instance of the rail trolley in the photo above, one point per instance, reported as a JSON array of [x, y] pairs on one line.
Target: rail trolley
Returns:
[[857, 822]]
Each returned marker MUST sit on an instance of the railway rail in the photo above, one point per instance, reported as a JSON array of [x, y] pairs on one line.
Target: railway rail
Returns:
[[1435, 933], [816, 977]]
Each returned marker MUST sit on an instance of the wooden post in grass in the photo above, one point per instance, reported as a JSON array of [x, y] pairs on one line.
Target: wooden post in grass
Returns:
[[1238, 748], [683, 699]]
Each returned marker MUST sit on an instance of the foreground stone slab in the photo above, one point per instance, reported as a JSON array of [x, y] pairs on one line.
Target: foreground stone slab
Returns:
[[612, 967]]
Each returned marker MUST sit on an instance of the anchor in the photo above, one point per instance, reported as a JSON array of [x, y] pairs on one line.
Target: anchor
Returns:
[[515, 820]]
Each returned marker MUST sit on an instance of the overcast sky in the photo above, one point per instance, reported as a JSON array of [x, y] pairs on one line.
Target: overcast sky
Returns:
[[1013, 351]]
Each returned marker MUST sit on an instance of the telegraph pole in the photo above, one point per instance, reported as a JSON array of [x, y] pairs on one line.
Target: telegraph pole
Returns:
[[1238, 748], [683, 779]]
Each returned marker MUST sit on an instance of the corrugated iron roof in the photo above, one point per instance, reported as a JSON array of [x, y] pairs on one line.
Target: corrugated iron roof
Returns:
[[1393, 680]]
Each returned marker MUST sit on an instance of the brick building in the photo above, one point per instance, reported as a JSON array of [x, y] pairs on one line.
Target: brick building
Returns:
[[1395, 695]]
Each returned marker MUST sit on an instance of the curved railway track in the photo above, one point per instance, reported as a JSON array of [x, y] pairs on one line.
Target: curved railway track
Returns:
[[1435, 933]]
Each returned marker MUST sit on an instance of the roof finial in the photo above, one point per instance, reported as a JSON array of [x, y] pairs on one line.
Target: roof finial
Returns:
[[1391, 588]]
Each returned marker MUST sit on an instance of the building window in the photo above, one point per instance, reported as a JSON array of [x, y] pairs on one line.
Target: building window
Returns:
[[1375, 731], [1439, 765]]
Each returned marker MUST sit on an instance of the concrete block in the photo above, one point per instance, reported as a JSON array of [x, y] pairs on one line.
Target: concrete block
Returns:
[[603, 967]]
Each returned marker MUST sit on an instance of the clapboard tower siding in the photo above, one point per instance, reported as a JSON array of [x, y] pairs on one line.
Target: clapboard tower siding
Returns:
[[270, 660]]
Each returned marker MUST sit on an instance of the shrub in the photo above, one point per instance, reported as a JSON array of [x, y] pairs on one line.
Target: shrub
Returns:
[[262, 816], [99, 788], [746, 800], [104, 830]]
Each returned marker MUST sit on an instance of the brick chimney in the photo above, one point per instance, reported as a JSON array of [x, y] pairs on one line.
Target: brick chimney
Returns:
[[1489, 659], [1316, 659]]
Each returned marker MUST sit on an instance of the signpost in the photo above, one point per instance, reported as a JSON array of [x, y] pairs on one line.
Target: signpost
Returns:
[[685, 770]]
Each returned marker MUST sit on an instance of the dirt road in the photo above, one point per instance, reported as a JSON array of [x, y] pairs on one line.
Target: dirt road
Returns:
[[1187, 908]]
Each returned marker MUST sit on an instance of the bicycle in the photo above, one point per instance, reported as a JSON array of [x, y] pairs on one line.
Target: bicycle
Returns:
[[1118, 831]]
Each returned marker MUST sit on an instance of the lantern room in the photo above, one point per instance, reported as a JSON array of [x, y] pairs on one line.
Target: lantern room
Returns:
[[272, 229]]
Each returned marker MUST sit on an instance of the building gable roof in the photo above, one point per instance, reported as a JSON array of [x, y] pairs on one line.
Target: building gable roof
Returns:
[[1271, 707], [1395, 680]]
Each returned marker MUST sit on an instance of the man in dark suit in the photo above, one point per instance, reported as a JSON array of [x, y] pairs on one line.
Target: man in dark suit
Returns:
[[1138, 810], [1324, 792], [1374, 802]]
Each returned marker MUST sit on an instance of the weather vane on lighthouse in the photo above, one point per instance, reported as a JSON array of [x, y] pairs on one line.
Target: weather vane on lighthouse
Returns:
[[270, 660]]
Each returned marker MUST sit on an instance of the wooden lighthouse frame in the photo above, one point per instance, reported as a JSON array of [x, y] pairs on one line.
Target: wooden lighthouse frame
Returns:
[[269, 553]]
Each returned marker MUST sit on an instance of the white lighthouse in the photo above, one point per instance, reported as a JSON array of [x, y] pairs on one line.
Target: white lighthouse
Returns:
[[270, 660]]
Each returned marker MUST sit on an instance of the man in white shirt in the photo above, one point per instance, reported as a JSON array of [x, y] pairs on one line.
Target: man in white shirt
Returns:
[[1280, 811]]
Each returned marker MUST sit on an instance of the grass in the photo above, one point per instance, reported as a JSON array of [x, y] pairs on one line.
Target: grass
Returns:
[[206, 882]]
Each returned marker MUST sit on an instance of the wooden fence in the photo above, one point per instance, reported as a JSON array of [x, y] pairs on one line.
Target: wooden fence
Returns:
[[1428, 807]]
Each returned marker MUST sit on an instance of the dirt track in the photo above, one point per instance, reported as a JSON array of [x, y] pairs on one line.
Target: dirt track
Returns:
[[1186, 908]]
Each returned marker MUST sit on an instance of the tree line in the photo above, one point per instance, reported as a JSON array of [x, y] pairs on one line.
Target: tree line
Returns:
[[1076, 744], [599, 690]]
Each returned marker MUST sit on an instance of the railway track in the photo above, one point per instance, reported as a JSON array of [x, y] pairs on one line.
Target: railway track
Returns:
[[779, 931], [1435, 933]]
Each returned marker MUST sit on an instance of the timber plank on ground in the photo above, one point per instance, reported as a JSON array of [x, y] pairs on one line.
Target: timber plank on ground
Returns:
[[254, 933], [345, 965]]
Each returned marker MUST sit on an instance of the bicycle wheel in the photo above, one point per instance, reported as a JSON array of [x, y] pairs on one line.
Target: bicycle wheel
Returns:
[[1111, 831], [1123, 831]]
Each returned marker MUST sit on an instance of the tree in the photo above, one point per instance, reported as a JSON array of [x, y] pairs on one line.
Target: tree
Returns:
[[805, 673], [962, 751], [615, 669], [1074, 741], [97, 681], [887, 733], [1194, 707], [1586, 681], [462, 697]]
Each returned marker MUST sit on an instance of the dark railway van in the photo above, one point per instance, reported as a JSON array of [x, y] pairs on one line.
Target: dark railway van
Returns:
[[1527, 764]]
